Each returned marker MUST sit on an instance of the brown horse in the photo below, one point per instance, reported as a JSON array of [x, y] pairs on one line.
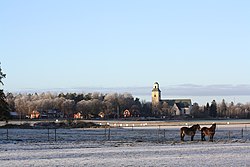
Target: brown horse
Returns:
[[208, 132], [189, 131]]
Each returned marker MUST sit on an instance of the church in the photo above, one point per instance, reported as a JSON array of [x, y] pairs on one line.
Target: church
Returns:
[[178, 107]]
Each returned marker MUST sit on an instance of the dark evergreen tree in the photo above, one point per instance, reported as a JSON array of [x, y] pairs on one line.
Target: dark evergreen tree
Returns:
[[146, 109], [206, 109], [4, 107], [213, 109], [223, 109]]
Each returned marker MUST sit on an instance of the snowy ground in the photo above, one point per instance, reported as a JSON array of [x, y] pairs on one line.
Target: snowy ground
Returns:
[[140, 146], [125, 154]]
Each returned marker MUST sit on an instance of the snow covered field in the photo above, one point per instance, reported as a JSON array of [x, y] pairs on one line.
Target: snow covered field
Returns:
[[125, 154], [141, 146]]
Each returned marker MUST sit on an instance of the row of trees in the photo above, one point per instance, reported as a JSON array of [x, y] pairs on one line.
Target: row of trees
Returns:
[[222, 110], [113, 105], [89, 105]]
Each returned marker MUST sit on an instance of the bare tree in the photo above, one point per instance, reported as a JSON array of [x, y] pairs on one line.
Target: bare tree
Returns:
[[68, 108], [83, 107]]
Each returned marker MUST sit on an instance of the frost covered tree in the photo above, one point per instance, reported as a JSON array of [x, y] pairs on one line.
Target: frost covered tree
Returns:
[[112, 104], [68, 107]]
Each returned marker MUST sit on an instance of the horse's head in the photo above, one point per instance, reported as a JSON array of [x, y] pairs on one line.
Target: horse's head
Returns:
[[214, 125], [197, 126]]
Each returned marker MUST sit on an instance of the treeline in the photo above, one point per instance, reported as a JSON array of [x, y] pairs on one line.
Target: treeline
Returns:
[[113, 105], [222, 110], [89, 105]]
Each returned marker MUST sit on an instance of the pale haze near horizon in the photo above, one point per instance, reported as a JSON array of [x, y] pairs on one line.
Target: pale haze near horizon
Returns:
[[106, 44]]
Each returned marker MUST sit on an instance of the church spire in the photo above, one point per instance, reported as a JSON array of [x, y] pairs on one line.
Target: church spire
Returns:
[[156, 94]]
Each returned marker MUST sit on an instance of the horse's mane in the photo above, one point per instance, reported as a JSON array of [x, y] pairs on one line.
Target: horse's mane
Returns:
[[195, 126], [213, 126]]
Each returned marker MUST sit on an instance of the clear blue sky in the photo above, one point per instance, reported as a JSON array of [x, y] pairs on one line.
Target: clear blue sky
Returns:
[[102, 43]]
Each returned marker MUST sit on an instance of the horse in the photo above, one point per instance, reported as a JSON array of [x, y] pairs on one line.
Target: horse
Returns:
[[208, 132], [189, 131]]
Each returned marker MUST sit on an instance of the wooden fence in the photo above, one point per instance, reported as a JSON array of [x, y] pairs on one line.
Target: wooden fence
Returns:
[[139, 134]]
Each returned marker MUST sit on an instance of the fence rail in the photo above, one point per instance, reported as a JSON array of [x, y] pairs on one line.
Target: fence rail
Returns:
[[150, 134]]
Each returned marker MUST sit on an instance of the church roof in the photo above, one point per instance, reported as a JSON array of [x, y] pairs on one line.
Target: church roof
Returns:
[[156, 89], [182, 103]]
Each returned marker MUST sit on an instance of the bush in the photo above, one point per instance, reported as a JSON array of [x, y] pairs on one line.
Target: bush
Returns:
[[15, 126]]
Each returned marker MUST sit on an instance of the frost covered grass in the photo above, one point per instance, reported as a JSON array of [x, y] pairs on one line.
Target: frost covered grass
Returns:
[[127, 146], [147, 133], [125, 154]]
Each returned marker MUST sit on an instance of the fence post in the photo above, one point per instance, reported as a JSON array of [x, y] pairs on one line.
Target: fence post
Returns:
[[159, 133], [55, 134], [242, 133], [105, 134], [7, 134], [229, 135], [109, 134], [48, 134], [164, 133]]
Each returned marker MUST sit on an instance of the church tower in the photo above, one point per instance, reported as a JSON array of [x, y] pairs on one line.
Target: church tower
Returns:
[[156, 94]]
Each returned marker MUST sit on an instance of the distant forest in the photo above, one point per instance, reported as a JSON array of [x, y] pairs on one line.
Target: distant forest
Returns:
[[110, 106]]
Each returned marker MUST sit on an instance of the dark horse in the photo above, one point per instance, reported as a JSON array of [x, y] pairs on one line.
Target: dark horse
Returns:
[[208, 132], [189, 131]]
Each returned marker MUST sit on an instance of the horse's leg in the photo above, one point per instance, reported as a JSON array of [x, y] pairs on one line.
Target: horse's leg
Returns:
[[203, 137], [212, 138], [182, 136]]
